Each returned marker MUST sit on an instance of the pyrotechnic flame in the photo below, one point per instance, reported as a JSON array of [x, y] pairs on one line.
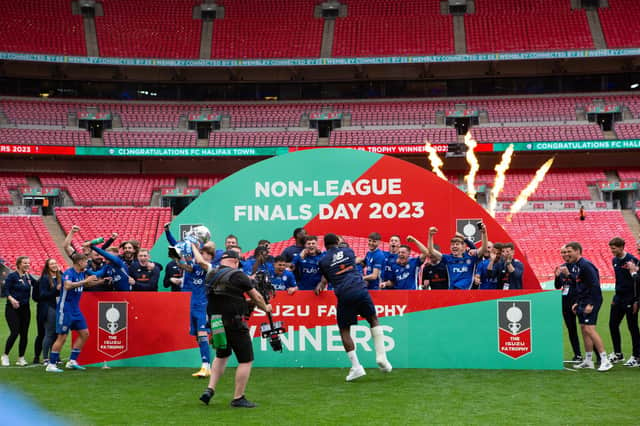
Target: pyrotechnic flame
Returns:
[[498, 182], [473, 165], [530, 189], [434, 159]]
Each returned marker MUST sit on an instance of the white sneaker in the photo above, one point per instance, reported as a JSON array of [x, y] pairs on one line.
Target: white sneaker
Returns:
[[586, 364], [52, 368], [73, 365], [632, 362], [614, 358], [21, 362], [605, 366], [384, 365], [4, 361], [356, 373]]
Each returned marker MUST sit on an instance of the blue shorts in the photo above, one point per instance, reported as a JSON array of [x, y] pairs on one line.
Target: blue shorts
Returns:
[[590, 318], [354, 303], [66, 321], [199, 320]]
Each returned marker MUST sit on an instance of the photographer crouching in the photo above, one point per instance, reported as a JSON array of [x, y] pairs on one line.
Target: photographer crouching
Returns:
[[227, 286]]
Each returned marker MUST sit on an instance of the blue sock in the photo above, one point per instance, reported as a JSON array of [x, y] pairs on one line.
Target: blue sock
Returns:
[[205, 351], [74, 354], [54, 357]]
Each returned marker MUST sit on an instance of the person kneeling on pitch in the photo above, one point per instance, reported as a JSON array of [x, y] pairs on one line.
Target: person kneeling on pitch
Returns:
[[338, 268], [227, 286]]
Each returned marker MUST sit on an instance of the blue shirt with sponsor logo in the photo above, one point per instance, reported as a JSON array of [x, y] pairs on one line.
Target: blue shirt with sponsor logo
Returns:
[[374, 260], [389, 260], [461, 270], [69, 301], [405, 277], [308, 271], [194, 282], [338, 267], [283, 281]]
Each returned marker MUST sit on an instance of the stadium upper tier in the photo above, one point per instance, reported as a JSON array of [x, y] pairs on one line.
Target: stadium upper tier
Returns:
[[54, 112], [255, 29], [517, 26], [621, 23], [387, 28], [35, 26]]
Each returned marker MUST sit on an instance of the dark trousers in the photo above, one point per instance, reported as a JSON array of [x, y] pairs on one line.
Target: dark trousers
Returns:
[[570, 320], [18, 321], [619, 311], [46, 317], [41, 317]]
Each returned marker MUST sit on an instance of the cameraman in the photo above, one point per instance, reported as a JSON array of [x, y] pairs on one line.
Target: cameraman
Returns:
[[227, 286]]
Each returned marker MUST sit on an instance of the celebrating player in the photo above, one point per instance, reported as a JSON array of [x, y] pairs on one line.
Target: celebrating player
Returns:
[[338, 268]]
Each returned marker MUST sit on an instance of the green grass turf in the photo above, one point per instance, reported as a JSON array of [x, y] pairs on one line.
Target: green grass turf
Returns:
[[321, 396]]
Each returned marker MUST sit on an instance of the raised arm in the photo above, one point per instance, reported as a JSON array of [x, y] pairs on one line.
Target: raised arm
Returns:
[[423, 250], [110, 241], [485, 239], [67, 240], [431, 247], [111, 257], [167, 232], [197, 256]]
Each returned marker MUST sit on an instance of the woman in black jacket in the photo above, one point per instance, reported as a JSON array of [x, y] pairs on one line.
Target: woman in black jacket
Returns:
[[45, 294], [17, 288]]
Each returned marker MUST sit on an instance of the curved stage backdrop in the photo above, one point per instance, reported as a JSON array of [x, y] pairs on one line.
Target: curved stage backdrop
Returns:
[[351, 193]]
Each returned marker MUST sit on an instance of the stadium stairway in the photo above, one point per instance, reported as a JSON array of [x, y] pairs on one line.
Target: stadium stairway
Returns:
[[57, 234], [631, 219], [460, 35], [328, 32], [593, 19]]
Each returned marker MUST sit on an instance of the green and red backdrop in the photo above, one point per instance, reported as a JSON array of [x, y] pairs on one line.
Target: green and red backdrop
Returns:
[[352, 193]]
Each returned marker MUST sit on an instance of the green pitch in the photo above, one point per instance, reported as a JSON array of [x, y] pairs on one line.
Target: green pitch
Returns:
[[321, 396]]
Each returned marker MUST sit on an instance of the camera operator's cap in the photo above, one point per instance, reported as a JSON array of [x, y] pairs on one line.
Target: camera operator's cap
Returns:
[[230, 254]]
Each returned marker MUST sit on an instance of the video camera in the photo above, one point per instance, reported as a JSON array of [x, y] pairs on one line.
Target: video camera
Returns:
[[271, 330]]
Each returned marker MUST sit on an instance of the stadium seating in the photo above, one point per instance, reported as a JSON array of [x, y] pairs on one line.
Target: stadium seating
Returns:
[[541, 234], [393, 136], [258, 139], [142, 224], [629, 174], [627, 130], [27, 236], [38, 112], [203, 182], [151, 139], [516, 26], [393, 28], [34, 26], [621, 23], [557, 185], [138, 29], [253, 29], [538, 133], [9, 181], [108, 190], [24, 136], [134, 114]]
